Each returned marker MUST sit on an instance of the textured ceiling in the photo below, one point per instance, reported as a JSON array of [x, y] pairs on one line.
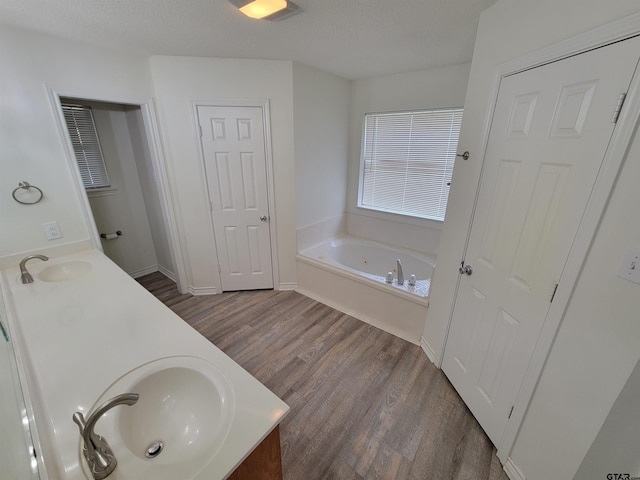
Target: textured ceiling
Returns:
[[351, 38]]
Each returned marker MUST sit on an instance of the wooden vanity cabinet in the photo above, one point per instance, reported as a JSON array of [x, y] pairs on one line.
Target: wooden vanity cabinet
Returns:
[[264, 463]]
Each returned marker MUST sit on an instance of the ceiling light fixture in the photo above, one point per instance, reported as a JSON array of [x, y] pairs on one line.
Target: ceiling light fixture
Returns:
[[263, 8], [267, 9]]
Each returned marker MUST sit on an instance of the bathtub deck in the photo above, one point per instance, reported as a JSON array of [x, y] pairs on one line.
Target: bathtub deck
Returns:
[[364, 403]]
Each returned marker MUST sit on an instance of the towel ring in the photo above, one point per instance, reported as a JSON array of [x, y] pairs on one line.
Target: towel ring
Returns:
[[26, 186]]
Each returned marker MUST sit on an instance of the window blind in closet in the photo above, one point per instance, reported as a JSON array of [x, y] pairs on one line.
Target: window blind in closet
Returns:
[[86, 146]]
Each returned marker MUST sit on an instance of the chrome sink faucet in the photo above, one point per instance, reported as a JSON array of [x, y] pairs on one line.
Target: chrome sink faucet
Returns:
[[400, 274], [100, 458], [25, 276]]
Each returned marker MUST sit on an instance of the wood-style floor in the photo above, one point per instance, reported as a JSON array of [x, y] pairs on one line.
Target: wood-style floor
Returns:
[[364, 403]]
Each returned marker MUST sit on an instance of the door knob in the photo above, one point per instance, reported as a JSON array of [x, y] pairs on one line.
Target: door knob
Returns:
[[465, 269], [263, 218]]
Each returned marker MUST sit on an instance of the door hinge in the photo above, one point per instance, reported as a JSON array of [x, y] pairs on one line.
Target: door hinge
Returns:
[[616, 113], [553, 295], [200, 129], [510, 412]]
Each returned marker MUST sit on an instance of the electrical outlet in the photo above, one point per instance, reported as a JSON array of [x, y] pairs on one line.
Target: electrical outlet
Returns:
[[630, 269], [52, 230]]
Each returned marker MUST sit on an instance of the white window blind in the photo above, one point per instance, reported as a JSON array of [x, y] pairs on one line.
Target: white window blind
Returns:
[[86, 146], [408, 161]]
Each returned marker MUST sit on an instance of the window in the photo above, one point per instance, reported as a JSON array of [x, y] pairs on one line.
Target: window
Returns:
[[86, 146], [407, 161]]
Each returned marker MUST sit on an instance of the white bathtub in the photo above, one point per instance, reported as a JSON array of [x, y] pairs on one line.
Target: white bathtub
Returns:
[[349, 274]]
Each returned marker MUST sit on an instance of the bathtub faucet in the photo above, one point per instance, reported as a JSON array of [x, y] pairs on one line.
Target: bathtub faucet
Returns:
[[400, 275]]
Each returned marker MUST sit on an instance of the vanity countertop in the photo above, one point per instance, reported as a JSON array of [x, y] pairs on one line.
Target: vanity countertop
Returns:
[[83, 334]]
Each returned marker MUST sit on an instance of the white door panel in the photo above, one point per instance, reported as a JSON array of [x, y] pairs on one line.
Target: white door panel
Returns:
[[550, 131], [233, 144]]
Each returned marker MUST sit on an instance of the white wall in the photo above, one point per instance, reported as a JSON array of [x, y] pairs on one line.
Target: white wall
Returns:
[[433, 88], [598, 343], [180, 80], [622, 427], [32, 147], [149, 185], [321, 126]]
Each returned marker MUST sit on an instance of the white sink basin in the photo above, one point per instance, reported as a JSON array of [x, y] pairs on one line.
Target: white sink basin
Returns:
[[185, 402], [64, 271]]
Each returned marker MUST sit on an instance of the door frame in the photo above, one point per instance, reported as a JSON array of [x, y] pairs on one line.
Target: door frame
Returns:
[[263, 104], [158, 161], [613, 32]]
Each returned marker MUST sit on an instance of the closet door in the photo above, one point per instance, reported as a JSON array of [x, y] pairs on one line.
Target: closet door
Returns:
[[549, 135], [233, 143]]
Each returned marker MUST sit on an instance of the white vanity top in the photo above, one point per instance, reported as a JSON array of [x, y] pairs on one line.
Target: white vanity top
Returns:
[[82, 335]]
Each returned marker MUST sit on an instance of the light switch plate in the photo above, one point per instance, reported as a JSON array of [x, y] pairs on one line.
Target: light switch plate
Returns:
[[630, 268]]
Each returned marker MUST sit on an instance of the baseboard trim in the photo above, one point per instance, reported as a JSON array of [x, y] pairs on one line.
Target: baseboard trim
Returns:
[[170, 275], [144, 271], [512, 471], [195, 291], [428, 350], [287, 286]]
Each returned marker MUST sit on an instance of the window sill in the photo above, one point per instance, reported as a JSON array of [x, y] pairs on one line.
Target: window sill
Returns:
[[399, 215], [102, 192]]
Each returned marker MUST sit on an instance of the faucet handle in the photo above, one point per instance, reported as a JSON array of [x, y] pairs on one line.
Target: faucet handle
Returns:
[[96, 440], [78, 418], [100, 458]]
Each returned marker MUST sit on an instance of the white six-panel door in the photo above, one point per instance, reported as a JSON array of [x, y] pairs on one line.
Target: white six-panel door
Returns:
[[549, 134], [233, 145]]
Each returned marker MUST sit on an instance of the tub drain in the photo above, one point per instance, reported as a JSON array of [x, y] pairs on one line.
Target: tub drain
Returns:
[[154, 449]]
